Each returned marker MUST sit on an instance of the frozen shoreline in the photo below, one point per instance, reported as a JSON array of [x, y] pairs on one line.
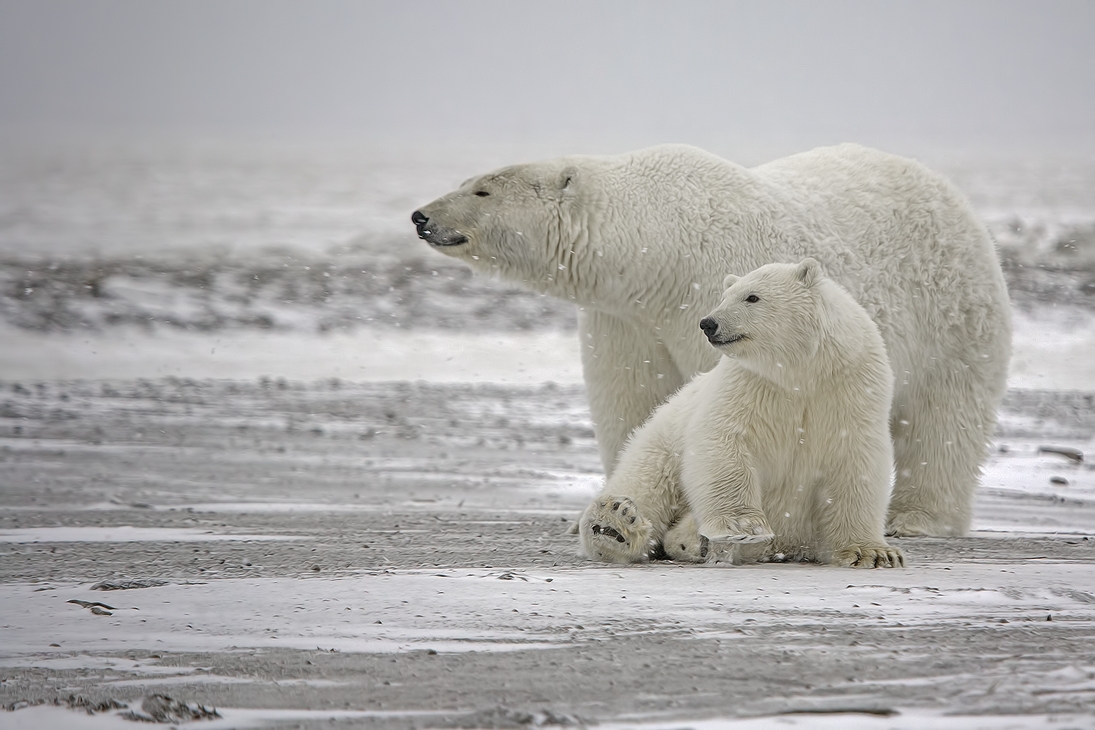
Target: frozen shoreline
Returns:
[[1053, 349]]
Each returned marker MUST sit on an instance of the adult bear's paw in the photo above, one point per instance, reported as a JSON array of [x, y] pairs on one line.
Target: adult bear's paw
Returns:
[[869, 556], [917, 523], [613, 530]]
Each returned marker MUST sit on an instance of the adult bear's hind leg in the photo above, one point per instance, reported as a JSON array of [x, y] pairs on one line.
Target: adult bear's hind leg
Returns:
[[941, 430]]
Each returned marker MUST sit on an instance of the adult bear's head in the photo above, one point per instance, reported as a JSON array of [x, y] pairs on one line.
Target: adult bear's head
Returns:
[[522, 222]]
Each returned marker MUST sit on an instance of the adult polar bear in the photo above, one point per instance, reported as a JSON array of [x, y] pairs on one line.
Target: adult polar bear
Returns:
[[641, 242]]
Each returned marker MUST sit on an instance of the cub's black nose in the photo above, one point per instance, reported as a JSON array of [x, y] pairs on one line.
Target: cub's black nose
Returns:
[[418, 219], [709, 326]]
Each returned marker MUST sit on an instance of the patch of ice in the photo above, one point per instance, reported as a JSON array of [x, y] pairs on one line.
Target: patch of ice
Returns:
[[47, 717], [271, 507], [1018, 494]]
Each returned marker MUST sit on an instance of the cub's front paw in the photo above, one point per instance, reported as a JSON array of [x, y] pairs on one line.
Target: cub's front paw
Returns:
[[869, 556], [613, 530]]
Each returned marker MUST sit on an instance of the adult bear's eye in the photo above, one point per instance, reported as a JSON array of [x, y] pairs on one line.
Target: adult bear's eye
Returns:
[[752, 299], [482, 193]]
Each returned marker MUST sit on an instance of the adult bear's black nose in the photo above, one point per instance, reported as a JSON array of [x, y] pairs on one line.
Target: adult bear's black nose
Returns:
[[709, 327], [418, 219]]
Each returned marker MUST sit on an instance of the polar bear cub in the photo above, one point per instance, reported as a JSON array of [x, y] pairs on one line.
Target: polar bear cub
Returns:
[[782, 451]]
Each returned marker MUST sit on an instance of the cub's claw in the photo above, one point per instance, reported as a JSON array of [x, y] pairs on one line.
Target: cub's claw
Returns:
[[873, 556]]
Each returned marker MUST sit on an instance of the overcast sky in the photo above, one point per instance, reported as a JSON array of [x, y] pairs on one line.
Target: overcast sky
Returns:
[[949, 73]]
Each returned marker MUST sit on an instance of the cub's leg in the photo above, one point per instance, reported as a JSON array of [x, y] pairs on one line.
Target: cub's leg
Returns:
[[724, 496], [852, 510], [629, 519]]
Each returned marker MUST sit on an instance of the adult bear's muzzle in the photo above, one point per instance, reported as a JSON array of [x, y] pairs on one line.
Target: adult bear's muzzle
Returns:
[[436, 235]]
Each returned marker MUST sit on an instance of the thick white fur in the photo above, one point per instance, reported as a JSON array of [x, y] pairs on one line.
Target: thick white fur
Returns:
[[788, 434], [641, 241]]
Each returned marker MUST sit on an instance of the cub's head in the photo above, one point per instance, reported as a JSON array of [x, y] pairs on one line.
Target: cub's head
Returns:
[[769, 315], [508, 221]]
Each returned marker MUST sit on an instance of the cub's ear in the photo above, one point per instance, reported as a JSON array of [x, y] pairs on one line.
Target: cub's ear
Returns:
[[729, 281], [808, 271], [568, 180]]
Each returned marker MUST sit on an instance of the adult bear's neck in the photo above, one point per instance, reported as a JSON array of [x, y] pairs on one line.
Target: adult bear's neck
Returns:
[[648, 231]]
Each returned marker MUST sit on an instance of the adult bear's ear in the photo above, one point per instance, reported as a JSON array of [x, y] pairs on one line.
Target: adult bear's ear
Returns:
[[568, 180], [808, 271], [729, 281]]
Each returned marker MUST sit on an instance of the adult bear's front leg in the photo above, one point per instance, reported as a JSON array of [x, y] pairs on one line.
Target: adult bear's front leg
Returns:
[[628, 373]]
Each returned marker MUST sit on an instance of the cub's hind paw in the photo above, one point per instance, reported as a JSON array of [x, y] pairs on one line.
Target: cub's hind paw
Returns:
[[613, 530], [870, 556]]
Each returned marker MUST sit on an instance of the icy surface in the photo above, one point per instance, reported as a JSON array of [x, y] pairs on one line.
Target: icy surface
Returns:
[[455, 611]]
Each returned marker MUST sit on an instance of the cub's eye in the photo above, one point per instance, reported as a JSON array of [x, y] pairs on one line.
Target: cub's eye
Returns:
[[752, 299], [482, 193]]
